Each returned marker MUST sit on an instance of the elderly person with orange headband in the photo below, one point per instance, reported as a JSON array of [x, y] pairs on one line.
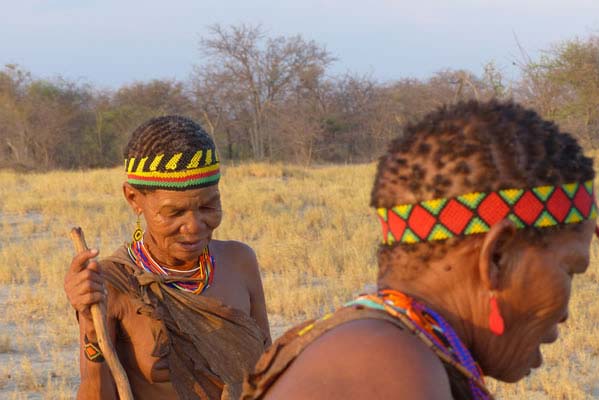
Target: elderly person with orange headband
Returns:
[[488, 213], [186, 312]]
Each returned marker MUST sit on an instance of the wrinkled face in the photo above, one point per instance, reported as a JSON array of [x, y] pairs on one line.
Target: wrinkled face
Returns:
[[179, 224], [534, 300]]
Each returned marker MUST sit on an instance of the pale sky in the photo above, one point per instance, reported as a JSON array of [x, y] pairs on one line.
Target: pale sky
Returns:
[[112, 42]]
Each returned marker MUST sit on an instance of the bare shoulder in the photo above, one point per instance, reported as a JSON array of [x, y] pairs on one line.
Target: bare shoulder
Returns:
[[239, 256], [364, 359], [237, 248]]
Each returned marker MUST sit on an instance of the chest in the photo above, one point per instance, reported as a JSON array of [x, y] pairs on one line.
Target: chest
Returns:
[[141, 342], [229, 289]]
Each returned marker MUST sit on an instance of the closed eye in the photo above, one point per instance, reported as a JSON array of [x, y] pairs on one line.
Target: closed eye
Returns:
[[211, 205], [173, 212]]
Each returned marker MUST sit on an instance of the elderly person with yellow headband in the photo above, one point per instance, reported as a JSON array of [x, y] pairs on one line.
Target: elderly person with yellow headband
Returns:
[[488, 213], [186, 312]]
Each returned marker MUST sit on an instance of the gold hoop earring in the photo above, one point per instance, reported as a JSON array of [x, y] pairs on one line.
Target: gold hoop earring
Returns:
[[138, 233]]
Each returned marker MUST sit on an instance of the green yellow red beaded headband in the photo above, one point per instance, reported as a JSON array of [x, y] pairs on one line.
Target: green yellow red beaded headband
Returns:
[[179, 171], [473, 213]]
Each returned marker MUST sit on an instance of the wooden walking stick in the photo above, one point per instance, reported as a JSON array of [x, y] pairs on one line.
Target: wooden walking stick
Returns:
[[99, 319]]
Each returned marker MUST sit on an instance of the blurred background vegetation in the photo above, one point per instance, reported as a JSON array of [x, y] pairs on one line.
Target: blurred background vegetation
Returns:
[[267, 98]]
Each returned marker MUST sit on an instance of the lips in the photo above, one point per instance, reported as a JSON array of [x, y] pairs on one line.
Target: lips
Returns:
[[551, 337], [190, 245], [553, 334]]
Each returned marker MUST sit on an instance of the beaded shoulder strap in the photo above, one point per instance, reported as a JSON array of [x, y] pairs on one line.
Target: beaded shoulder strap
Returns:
[[433, 331]]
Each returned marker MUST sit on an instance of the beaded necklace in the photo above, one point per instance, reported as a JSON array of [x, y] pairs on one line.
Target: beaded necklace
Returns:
[[200, 278], [433, 330]]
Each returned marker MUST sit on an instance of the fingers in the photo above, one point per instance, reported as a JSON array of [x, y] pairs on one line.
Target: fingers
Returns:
[[87, 299], [76, 277], [80, 260], [81, 298], [84, 283], [82, 301], [93, 271], [92, 287]]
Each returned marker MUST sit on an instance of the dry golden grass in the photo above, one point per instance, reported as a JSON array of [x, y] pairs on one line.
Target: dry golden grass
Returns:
[[315, 237]]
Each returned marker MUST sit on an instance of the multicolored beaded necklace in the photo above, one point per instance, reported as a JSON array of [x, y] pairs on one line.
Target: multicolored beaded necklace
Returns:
[[200, 278], [433, 330]]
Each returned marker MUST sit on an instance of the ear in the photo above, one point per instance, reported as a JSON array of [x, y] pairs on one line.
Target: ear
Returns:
[[494, 245], [134, 197]]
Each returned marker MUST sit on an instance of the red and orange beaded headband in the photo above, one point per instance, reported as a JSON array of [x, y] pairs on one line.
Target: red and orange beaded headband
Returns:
[[473, 213], [179, 171]]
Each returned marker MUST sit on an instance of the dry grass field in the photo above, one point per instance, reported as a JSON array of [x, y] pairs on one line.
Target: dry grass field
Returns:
[[315, 237]]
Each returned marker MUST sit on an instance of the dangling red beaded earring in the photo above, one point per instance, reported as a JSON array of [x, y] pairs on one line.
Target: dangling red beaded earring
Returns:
[[496, 324]]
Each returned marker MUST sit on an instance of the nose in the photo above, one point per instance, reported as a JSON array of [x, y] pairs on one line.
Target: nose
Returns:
[[565, 318], [193, 224]]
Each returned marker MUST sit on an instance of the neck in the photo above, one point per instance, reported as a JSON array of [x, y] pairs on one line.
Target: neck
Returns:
[[454, 296]]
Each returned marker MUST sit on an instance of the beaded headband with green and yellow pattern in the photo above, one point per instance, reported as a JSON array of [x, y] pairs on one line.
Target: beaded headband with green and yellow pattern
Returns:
[[473, 213], [179, 171]]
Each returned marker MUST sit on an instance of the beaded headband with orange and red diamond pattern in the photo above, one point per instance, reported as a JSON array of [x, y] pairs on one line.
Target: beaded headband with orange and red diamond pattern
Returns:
[[472, 213]]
